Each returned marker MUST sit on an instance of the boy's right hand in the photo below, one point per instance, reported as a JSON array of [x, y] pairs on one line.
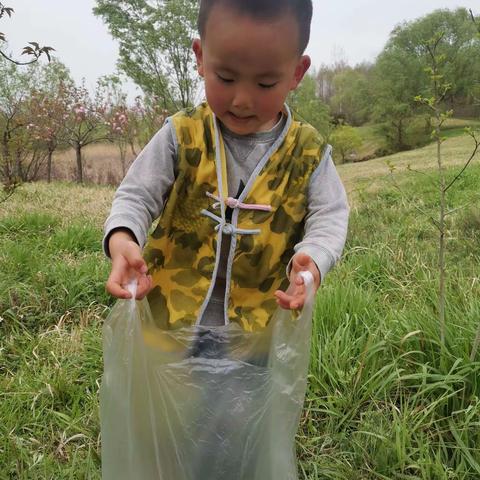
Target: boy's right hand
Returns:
[[127, 263]]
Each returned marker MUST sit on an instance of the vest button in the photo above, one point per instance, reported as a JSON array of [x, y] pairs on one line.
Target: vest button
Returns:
[[227, 229]]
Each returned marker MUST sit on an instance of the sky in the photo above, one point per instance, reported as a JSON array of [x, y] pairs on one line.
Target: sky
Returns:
[[350, 30]]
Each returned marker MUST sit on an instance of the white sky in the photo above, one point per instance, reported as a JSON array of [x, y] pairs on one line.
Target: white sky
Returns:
[[354, 30]]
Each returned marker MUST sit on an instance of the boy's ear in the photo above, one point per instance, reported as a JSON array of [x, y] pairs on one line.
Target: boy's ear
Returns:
[[197, 49], [300, 70]]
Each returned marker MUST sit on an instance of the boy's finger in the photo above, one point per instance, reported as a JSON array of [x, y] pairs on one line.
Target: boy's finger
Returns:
[[116, 290], [282, 299], [300, 262], [290, 302], [144, 286], [136, 261]]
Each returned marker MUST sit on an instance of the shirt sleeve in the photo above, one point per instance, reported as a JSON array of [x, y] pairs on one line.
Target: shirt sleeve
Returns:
[[327, 216], [140, 198]]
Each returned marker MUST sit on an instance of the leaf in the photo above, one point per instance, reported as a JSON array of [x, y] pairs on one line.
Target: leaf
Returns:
[[2, 36], [46, 51], [28, 51], [35, 44]]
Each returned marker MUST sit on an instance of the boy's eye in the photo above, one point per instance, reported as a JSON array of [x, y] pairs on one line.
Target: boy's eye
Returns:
[[267, 85], [223, 79]]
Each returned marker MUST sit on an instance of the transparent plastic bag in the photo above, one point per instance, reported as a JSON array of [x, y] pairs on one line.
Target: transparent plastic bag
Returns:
[[202, 403]]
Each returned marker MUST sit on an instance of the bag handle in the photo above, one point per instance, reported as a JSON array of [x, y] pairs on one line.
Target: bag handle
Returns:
[[309, 285], [131, 287]]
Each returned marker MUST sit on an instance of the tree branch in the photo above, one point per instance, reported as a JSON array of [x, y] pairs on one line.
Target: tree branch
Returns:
[[477, 145]]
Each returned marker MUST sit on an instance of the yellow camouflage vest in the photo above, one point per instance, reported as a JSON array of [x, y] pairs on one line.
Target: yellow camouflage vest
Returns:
[[183, 250]]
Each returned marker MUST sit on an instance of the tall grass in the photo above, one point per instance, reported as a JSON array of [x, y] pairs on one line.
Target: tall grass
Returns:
[[381, 404], [383, 401]]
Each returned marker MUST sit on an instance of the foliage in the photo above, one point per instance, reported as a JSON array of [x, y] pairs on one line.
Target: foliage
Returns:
[[150, 117], [155, 46], [305, 103], [351, 100], [345, 141], [84, 122], [439, 89], [31, 117], [401, 69]]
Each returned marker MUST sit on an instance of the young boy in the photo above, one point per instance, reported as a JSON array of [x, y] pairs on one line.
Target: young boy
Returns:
[[244, 192]]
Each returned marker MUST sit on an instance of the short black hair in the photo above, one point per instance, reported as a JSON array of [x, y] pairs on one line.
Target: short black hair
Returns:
[[264, 10]]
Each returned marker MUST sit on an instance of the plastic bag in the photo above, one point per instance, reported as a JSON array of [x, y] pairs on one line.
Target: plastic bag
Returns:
[[202, 403]]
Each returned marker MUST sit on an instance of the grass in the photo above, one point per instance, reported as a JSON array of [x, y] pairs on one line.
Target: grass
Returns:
[[373, 140], [385, 401]]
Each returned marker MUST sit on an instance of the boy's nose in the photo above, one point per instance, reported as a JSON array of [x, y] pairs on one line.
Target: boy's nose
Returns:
[[242, 100]]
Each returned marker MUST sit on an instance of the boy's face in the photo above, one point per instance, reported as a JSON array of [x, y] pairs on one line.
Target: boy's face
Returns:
[[249, 66]]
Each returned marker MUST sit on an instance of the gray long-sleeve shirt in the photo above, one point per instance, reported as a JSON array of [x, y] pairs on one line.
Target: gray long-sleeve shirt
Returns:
[[142, 195]]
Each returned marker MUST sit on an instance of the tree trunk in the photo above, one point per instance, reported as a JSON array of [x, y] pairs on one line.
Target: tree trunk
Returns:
[[49, 166], [6, 166], [78, 152]]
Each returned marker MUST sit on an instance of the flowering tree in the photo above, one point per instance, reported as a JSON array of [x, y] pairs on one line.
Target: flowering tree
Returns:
[[13, 94], [48, 112], [120, 120], [84, 121], [149, 116], [122, 131]]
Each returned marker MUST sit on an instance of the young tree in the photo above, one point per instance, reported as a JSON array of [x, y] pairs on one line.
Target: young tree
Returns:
[[434, 101], [47, 122], [155, 46], [84, 122], [47, 108], [345, 140]]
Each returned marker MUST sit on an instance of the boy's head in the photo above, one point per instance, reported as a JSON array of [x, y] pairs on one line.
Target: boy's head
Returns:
[[250, 53], [299, 10]]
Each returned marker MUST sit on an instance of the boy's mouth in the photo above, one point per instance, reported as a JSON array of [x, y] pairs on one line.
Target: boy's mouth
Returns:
[[241, 119]]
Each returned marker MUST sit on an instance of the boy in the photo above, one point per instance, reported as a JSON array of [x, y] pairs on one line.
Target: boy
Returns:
[[236, 182]]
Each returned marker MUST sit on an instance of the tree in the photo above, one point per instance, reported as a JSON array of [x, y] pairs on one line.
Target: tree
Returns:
[[47, 122], [308, 106], [397, 78], [351, 100], [119, 118], [345, 140], [155, 46], [47, 108], [85, 121], [458, 46], [15, 85], [400, 71], [148, 117]]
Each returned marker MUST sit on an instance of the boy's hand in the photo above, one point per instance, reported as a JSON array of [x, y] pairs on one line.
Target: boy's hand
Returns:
[[294, 297], [127, 263]]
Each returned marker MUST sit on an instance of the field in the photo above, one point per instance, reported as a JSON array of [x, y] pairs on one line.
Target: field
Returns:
[[386, 400]]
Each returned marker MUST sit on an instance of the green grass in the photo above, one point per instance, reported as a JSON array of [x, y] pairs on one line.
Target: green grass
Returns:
[[385, 400], [373, 140]]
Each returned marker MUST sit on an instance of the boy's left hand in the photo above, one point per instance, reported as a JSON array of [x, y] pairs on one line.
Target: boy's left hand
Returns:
[[294, 297]]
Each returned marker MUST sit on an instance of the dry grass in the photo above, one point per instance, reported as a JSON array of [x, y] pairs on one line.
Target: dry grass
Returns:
[[101, 164]]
